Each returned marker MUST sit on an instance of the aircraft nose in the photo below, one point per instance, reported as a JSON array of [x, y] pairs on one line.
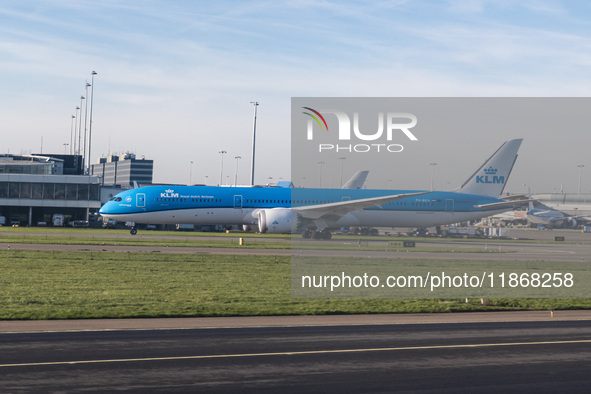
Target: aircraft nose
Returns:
[[103, 210]]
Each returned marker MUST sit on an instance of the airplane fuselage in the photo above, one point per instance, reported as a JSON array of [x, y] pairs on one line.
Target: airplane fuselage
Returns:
[[204, 205], [546, 217]]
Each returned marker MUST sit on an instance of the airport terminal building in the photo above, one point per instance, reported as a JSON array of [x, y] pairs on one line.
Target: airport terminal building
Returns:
[[35, 188], [124, 170], [570, 203], [32, 200]]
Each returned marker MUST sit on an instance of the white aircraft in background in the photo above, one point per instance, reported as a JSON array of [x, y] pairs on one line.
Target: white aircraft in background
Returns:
[[548, 217]]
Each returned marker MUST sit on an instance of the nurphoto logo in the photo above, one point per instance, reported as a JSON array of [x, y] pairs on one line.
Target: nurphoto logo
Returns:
[[395, 123]]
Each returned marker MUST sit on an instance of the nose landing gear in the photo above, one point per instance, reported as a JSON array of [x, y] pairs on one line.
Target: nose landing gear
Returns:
[[132, 228]]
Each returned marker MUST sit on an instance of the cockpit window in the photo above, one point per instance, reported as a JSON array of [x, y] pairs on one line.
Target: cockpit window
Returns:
[[117, 199]]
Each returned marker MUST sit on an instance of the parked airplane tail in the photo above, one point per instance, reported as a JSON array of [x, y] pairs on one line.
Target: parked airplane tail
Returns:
[[490, 179], [357, 180]]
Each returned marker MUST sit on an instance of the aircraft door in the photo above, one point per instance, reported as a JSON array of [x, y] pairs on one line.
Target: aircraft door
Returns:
[[140, 200], [449, 205], [238, 202]]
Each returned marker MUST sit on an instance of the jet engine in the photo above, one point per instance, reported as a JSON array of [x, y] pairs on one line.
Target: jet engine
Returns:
[[275, 220]]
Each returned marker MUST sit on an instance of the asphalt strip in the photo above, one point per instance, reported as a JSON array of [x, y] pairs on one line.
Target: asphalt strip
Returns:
[[32, 326]]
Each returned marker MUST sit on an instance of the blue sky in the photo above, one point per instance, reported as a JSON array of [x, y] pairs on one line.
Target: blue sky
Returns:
[[176, 78]]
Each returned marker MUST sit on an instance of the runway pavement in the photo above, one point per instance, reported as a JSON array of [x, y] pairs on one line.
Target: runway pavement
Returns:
[[540, 356], [38, 326], [491, 251]]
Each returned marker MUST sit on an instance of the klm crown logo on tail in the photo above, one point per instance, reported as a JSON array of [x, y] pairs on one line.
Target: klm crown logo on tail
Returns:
[[490, 176]]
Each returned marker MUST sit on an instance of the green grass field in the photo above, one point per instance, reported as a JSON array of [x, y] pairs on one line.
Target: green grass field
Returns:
[[68, 285]]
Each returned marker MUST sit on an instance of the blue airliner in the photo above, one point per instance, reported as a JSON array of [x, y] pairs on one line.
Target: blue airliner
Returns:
[[314, 212]]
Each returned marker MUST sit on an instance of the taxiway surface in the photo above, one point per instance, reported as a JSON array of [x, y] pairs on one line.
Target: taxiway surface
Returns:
[[543, 356]]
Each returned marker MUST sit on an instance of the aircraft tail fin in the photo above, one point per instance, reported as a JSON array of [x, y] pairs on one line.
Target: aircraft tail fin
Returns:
[[490, 179], [357, 181]]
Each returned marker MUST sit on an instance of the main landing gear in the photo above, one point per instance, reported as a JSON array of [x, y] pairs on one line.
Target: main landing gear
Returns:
[[133, 231], [315, 234]]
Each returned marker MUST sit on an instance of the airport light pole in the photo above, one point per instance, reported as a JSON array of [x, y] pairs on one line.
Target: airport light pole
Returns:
[[222, 167], [254, 134], [79, 131], [236, 172], [342, 159], [191, 173], [65, 148], [92, 74], [320, 163], [72, 133], [80, 126], [76, 130], [432, 175], [85, 123], [580, 175]]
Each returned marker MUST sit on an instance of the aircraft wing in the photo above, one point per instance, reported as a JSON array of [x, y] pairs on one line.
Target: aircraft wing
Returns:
[[332, 212], [504, 204]]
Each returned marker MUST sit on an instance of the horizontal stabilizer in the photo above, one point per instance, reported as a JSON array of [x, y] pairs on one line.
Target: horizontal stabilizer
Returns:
[[515, 197], [504, 204]]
